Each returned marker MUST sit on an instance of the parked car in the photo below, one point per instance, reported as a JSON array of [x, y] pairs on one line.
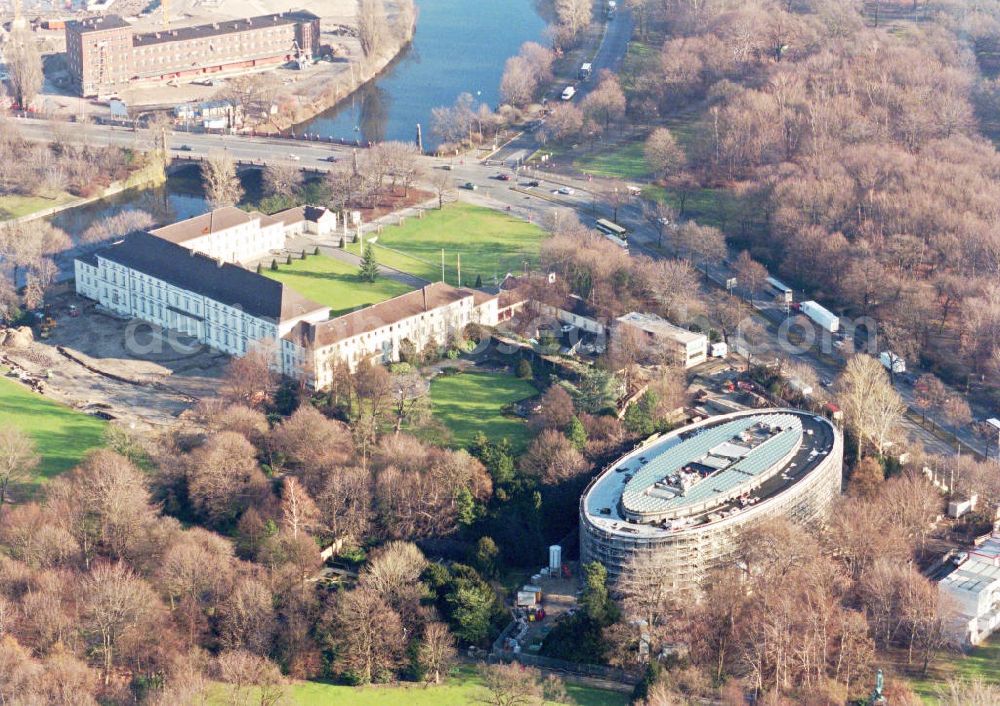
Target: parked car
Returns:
[[826, 382], [470, 186]]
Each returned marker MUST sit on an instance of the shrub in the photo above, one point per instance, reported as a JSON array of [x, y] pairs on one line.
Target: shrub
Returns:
[[524, 369], [274, 265], [288, 260]]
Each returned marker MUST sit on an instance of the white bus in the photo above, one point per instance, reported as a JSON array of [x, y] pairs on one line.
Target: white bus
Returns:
[[614, 232]]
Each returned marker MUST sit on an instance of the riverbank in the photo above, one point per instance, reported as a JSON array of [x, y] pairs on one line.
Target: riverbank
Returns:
[[321, 92], [152, 175]]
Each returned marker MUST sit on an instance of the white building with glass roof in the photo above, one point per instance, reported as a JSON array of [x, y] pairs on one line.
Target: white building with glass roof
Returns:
[[682, 500]]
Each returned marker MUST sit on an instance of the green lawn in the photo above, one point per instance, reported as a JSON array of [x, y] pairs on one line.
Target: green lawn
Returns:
[[334, 283], [460, 691], [616, 162], [469, 402], [16, 206], [981, 663], [711, 207], [491, 244], [62, 435]]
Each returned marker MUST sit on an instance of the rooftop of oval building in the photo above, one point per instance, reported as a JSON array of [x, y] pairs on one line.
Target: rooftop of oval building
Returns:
[[708, 471]]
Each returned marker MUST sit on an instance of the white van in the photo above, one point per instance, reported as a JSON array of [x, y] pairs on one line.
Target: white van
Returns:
[[568, 93]]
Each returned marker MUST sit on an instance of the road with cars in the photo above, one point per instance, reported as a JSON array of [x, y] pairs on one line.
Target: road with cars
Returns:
[[526, 191]]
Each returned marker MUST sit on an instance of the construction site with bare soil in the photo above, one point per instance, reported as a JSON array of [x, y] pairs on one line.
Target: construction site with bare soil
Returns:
[[148, 55], [114, 368]]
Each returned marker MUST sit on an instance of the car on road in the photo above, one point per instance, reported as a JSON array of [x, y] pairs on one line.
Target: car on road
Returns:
[[184, 148], [470, 186], [330, 158], [566, 191], [447, 167], [533, 183], [503, 177], [294, 157]]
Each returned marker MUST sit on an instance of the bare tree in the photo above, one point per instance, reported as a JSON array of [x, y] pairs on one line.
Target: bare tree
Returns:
[[222, 477], [552, 458], [282, 179], [510, 685], [574, 15], [369, 633], [25, 65], [252, 680], [519, 82], [929, 393], [252, 97], [661, 216], [115, 226], [437, 650], [406, 18], [115, 603], [645, 595], [373, 27], [222, 185], [249, 379], [606, 103], [663, 155], [392, 569], [751, 273], [246, 618], [872, 407], [443, 187], [565, 122], [18, 458], [298, 509]]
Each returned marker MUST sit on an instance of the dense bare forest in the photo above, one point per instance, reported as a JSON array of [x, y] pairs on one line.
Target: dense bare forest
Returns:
[[855, 152]]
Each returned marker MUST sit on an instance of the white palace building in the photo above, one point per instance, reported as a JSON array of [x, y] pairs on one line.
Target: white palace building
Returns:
[[190, 277]]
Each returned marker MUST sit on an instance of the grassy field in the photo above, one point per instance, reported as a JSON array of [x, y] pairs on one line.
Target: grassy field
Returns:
[[710, 207], [616, 162], [463, 690], [981, 663], [16, 206], [469, 402], [334, 283], [61, 434], [490, 243]]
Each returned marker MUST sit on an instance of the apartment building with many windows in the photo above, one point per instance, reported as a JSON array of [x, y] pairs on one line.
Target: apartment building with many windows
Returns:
[[105, 54]]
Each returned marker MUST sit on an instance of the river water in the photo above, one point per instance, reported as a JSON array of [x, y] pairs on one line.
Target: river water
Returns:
[[460, 46]]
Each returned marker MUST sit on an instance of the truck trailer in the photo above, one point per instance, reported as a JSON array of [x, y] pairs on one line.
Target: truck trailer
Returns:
[[821, 316]]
